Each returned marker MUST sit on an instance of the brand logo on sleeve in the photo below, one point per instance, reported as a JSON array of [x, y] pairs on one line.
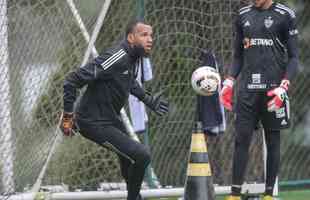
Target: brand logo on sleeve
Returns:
[[247, 23], [284, 122]]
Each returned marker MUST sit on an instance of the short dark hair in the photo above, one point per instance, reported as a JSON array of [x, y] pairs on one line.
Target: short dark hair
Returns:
[[132, 24]]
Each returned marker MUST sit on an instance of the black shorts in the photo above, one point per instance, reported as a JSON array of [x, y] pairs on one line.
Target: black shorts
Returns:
[[251, 108]]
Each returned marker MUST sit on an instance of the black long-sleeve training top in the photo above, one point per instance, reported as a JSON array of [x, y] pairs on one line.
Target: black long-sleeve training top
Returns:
[[265, 48], [109, 78]]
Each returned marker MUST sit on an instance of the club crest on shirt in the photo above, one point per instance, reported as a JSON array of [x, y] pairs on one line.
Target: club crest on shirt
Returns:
[[268, 22]]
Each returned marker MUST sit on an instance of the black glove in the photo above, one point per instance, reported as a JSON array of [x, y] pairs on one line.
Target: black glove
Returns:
[[156, 103]]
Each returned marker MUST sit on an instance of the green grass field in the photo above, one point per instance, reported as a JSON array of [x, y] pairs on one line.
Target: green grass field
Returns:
[[295, 195], [285, 195], [289, 195]]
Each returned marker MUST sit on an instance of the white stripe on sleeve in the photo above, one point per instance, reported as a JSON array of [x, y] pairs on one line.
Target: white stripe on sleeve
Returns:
[[115, 57]]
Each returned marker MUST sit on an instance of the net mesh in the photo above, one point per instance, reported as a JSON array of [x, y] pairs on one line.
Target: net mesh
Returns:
[[182, 32], [41, 42]]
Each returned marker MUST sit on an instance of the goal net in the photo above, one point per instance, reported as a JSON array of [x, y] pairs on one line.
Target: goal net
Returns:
[[41, 40]]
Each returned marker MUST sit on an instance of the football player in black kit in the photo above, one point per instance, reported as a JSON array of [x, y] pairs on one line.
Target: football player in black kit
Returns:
[[266, 57], [110, 78]]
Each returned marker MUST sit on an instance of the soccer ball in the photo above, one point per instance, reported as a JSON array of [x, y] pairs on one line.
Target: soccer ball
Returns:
[[205, 80]]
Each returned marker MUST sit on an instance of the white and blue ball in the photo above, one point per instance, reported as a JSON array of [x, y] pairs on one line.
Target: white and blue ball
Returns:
[[206, 80]]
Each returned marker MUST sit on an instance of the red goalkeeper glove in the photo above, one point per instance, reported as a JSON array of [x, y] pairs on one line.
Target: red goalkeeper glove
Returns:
[[66, 124], [226, 94], [279, 95]]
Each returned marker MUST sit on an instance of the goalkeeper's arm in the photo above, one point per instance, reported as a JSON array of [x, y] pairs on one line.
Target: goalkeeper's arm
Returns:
[[237, 64], [74, 81], [226, 94], [85, 75], [279, 94]]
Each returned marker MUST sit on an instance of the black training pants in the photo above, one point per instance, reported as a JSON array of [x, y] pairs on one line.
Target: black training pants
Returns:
[[241, 156], [250, 110], [134, 157]]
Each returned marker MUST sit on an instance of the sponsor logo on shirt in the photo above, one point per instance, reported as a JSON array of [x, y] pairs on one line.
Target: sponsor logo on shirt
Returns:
[[248, 42], [256, 78], [257, 86]]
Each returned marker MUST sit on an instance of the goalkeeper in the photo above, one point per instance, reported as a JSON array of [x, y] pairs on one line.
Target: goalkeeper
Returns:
[[265, 53], [110, 78]]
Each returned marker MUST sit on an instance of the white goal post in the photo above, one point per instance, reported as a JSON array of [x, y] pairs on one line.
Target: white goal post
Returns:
[[6, 141]]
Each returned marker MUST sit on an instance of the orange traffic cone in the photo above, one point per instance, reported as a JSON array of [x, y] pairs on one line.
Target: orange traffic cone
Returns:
[[199, 183]]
